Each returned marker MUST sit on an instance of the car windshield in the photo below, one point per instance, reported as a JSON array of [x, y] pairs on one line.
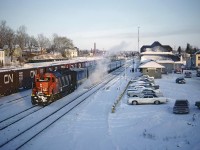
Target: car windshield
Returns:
[[181, 103]]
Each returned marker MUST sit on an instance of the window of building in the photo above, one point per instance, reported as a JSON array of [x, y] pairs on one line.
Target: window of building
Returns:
[[198, 57], [156, 70]]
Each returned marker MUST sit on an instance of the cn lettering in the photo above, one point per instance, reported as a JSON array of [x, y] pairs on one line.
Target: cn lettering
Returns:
[[8, 78]]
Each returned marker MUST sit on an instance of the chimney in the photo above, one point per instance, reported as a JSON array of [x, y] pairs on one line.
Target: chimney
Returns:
[[94, 48]]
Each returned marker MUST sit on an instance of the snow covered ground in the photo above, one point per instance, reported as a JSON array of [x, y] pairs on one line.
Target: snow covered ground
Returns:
[[92, 125]]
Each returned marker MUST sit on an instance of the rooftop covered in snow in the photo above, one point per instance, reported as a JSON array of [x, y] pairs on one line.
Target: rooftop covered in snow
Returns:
[[151, 64]]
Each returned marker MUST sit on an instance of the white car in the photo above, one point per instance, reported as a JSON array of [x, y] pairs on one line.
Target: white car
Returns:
[[144, 91], [137, 87], [146, 99], [137, 82]]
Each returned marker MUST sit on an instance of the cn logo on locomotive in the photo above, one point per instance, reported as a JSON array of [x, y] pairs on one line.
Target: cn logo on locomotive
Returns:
[[8, 78]]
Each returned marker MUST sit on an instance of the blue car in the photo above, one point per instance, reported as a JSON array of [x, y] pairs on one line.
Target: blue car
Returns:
[[180, 80]]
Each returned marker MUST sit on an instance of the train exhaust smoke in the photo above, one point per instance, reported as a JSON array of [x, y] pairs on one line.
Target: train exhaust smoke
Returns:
[[98, 74]]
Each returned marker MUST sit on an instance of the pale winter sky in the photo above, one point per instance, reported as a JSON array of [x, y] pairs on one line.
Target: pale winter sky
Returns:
[[112, 24]]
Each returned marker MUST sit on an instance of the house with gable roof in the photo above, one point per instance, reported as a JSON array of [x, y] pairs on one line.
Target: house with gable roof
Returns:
[[162, 54], [152, 69]]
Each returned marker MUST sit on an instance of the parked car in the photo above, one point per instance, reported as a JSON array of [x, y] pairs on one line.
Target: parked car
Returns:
[[152, 85], [178, 71], [188, 74], [146, 99], [145, 84], [197, 104], [151, 91], [136, 82], [137, 87], [181, 106], [138, 93], [144, 78], [180, 80], [198, 74], [148, 77]]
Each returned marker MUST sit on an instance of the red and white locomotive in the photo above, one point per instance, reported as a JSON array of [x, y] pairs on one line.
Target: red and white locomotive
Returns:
[[53, 85]]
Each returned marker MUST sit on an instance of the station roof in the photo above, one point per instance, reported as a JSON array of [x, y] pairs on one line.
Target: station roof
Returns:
[[151, 64]]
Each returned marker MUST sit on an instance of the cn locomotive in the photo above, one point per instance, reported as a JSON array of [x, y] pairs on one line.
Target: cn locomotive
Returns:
[[55, 84]]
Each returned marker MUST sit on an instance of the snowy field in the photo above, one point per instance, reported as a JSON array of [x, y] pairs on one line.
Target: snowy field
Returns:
[[92, 125]]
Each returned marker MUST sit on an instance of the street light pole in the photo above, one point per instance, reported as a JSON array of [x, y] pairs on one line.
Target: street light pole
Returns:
[[139, 39]]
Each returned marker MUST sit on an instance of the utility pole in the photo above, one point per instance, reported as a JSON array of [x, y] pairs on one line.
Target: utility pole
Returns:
[[139, 39]]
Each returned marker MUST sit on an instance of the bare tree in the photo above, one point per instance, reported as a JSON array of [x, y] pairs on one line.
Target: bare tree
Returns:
[[21, 37], [3, 30], [31, 42], [7, 37], [61, 43], [43, 42], [10, 41]]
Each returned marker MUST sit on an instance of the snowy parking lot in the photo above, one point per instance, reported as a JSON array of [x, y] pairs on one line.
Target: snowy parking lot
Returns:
[[155, 126]]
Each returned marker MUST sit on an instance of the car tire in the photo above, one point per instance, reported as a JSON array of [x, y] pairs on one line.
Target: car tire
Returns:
[[134, 102], [157, 102]]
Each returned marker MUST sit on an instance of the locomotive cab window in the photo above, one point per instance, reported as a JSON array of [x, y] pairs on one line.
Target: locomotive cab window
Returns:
[[47, 78], [53, 80]]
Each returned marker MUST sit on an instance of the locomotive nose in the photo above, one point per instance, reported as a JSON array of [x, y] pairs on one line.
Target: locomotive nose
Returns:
[[41, 97]]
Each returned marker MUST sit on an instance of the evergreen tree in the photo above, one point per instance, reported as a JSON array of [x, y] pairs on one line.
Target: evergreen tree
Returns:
[[179, 50], [188, 49]]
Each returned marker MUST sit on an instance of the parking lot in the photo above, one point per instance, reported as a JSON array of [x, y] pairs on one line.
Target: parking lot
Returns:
[[155, 126]]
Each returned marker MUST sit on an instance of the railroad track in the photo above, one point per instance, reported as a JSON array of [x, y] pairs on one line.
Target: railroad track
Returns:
[[17, 136], [17, 117], [13, 101]]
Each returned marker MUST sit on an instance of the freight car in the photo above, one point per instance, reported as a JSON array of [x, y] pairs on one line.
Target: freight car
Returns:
[[7, 82], [12, 81], [55, 84]]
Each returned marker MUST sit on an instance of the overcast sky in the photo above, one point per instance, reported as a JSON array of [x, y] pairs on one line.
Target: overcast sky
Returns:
[[111, 24]]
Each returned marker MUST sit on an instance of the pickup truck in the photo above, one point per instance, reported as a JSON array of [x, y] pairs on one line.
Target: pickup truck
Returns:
[[146, 99], [197, 104]]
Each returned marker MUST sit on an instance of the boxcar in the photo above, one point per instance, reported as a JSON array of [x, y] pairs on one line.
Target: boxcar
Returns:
[[79, 75], [24, 78], [8, 82]]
